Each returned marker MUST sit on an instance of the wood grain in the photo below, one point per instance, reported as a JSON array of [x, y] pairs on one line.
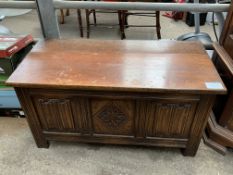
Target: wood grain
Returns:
[[138, 66], [220, 125]]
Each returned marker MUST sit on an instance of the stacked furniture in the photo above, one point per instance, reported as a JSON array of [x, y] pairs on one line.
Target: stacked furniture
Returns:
[[219, 133]]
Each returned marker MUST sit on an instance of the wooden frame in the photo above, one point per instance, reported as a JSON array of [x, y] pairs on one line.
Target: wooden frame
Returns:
[[219, 132], [37, 103]]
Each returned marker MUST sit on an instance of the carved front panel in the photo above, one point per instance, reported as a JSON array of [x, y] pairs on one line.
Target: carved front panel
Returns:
[[55, 114], [169, 119], [112, 116]]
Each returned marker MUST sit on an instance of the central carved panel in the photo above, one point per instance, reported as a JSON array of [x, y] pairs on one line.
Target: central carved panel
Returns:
[[112, 116]]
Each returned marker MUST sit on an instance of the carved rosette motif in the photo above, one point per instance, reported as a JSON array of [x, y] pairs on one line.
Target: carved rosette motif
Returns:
[[112, 116]]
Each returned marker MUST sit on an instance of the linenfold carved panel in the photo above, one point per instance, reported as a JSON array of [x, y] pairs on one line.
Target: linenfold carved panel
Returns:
[[144, 118], [55, 114], [169, 119]]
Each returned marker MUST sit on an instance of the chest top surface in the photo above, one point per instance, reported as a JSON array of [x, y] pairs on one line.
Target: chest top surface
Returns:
[[140, 66]]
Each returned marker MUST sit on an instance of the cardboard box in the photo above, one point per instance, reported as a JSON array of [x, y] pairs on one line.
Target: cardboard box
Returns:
[[9, 64]]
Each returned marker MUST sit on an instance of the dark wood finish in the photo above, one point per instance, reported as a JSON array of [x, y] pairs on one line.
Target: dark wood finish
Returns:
[[226, 35], [219, 132], [134, 92], [219, 148]]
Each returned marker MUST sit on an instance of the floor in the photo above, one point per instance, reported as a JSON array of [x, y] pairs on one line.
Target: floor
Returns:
[[19, 154]]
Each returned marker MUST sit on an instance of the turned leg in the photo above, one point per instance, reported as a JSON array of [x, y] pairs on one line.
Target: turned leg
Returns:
[[62, 17], [88, 23], [158, 27], [80, 22]]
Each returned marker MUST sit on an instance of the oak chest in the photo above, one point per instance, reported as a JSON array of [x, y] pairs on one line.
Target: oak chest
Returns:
[[118, 92]]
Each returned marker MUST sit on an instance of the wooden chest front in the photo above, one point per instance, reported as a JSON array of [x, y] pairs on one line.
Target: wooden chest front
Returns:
[[153, 119]]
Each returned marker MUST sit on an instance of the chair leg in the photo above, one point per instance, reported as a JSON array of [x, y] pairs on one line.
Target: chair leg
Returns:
[[94, 16], [121, 18], [158, 27], [126, 18], [62, 17], [80, 22], [88, 22], [67, 12]]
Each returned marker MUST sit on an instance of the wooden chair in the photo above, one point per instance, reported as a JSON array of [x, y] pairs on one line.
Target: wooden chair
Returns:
[[63, 14], [67, 13], [156, 14], [93, 11]]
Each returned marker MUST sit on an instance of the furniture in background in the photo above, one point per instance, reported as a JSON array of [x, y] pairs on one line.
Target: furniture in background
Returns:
[[93, 11], [63, 14], [219, 132], [131, 92], [79, 16], [156, 15], [122, 18]]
